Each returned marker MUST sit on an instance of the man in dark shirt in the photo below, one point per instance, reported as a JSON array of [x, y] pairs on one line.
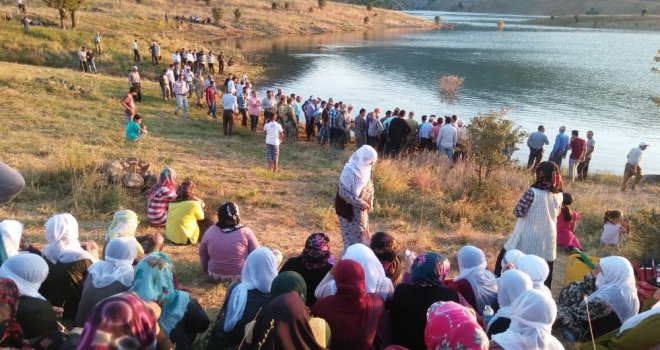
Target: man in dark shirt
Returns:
[[578, 147], [397, 133]]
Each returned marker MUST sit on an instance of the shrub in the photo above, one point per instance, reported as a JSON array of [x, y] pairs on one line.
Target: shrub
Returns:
[[370, 6], [366, 20], [311, 9], [273, 5], [437, 20], [286, 5], [644, 12], [449, 86], [552, 18], [577, 18], [321, 4], [217, 14], [207, 2], [237, 14]]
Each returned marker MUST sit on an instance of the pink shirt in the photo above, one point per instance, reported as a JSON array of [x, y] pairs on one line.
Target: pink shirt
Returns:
[[565, 231], [253, 106], [434, 133], [224, 253]]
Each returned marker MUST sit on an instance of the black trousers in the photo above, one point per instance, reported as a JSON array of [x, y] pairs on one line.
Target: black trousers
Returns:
[[583, 169], [535, 156], [136, 55]]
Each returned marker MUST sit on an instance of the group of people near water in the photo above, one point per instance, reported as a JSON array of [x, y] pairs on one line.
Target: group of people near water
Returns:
[[367, 292]]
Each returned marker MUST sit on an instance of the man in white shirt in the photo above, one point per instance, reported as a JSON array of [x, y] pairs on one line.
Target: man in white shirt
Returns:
[[274, 136], [211, 62], [181, 92], [82, 57], [97, 42], [447, 138], [170, 78], [229, 107], [633, 167], [462, 143], [136, 53]]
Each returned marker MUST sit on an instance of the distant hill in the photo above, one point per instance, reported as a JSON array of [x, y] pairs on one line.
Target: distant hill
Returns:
[[527, 7]]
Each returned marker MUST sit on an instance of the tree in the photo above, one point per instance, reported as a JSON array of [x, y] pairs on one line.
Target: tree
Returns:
[[437, 20], [370, 5], [644, 12], [273, 5], [60, 7], [366, 20], [493, 139], [237, 14], [64, 8], [321, 4], [217, 14]]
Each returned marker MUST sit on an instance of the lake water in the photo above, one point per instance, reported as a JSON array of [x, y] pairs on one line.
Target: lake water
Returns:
[[586, 79]]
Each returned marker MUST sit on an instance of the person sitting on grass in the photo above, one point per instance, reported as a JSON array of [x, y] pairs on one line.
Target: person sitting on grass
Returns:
[[614, 225], [274, 136], [182, 215], [135, 131]]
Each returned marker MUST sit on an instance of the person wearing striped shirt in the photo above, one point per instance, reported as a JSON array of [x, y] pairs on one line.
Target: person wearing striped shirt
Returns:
[[160, 197]]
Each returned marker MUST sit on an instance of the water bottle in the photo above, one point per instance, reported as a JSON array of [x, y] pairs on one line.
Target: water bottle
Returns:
[[488, 314]]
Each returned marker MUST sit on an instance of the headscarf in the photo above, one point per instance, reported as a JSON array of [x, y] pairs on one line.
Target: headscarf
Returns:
[[375, 278], [154, 281], [452, 326], [472, 267], [11, 231], [532, 316], [288, 281], [12, 336], [511, 257], [429, 270], [616, 286], [123, 224], [62, 236], [118, 264], [637, 319], [357, 171], [548, 177], [510, 286], [229, 217], [258, 273], [537, 269], [167, 179], [28, 271], [316, 251], [185, 191], [385, 247], [121, 321]]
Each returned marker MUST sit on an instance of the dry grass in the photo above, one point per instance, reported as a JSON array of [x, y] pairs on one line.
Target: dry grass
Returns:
[[449, 86]]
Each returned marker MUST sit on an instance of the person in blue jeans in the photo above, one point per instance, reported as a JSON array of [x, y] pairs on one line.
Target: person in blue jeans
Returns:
[[560, 148]]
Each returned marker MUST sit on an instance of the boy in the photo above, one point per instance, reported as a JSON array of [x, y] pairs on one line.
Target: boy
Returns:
[[127, 103], [135, 131], [274, 136]]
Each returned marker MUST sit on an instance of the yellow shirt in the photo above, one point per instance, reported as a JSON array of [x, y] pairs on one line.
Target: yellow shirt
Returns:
[[182, 220]]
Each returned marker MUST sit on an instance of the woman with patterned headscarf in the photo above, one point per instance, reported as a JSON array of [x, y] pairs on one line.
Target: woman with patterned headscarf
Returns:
[[160, 197], [312, 264], [452, 326], [411, 301], [385, 247], [124, 224], [536, 229], [11, 334], [181, 317], [183, 214], [226, 245]]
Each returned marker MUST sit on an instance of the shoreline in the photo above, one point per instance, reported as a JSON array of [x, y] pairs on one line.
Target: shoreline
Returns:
[[623, 22]]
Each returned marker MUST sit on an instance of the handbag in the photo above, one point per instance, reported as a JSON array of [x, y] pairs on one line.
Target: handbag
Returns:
[[343, 208]]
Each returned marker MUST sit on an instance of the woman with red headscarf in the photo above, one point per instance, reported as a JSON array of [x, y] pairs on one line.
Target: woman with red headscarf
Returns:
[[536, 229], [11, 334], [353, 315]]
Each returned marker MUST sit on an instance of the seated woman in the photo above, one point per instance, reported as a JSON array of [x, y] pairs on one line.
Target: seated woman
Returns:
[[123, 321], [532, 315], [11, 232], [284, 322], [386, 250], [638, 332], [534, 267], [612, 300], [312, 264], [108, 277], [357, 319], [182, 318], [160, 197], [410, 302], [453, 326], [124, 224], [509, 261], [183, 214], [374, 274], [226, 245], [511, 285], [28, 271], [476, 284], [67, 262], [244, 300], [11, 334]]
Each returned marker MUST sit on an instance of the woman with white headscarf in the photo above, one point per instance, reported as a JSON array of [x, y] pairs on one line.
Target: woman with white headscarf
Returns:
[[510, 286], [510, 261], [355, 196], [612, 300], [10, 236], [35, 313], [375, 279], [532, 316], [537, 269], [67, 261], [476, 284], [108, 277], [244, 300], [639, 332]]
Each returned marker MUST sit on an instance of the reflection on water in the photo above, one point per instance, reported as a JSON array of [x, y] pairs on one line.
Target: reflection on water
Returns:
[[596, 80]]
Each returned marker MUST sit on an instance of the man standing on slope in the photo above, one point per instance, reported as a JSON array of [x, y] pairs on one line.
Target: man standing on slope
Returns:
[[535, 142], [181, 93], [560, 148], [583, 167], [633, 167], [136, 53]]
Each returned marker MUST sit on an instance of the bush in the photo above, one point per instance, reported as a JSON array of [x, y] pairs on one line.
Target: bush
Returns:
[[644, 12], [366, 20], [449, 86], [321, 4], [369, 6], [286, 5], [237, 14], [437, 20], [207, 2], [311, 9], [217, 14], [577, 18], [273, 5]]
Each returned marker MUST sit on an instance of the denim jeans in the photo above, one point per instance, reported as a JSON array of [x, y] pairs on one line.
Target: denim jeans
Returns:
[[449, 151], [212, 110]]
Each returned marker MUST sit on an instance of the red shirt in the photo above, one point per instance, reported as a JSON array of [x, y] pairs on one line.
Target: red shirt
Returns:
[[578, 147], [128, 101], [210, 94]]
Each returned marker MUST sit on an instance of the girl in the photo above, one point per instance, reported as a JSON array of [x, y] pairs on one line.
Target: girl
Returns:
[[614, 225], [566, 222]]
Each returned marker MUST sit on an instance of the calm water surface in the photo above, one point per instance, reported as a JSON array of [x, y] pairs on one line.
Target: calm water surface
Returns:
[[596, 80]]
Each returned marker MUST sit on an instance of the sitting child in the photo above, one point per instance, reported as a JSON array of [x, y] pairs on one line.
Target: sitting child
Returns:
[[566, 222], [135, 131], [613, 227]]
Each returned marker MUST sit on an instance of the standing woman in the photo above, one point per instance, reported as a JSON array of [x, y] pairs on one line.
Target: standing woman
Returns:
[[355, 196], [536, 229]]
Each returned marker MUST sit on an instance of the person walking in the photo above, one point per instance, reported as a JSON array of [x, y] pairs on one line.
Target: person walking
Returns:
[[136, 52], [181, 93], [535, 142], [134, 81], [97, 42], [633, 167], [578, 147], [229, 107], [560, 148], [583, 167]]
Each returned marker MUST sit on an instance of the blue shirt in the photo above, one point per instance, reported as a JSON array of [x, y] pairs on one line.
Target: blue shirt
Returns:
[[561, 142], [537, 139], [425, 130], [132, 131]]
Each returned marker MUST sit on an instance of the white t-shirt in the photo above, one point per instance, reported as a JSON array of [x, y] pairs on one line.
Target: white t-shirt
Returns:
[[273, 130], [611, 234]]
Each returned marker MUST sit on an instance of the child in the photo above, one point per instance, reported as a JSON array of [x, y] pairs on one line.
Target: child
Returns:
[[274, 136], [135, 131], [566, 222], [613, 227]]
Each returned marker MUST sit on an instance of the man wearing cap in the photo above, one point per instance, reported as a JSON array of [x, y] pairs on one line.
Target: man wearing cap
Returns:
[[135, 82], [633, 168]]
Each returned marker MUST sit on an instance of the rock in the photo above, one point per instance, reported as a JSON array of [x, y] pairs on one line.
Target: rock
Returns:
[[113, 171], [133, 180]]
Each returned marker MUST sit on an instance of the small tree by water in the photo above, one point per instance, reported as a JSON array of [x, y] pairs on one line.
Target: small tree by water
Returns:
[[449, 87], [321, 4], [366, 20], [217, 14], [66, 9], [273, 5], [237, 14], [437, 20], [644, 12]]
